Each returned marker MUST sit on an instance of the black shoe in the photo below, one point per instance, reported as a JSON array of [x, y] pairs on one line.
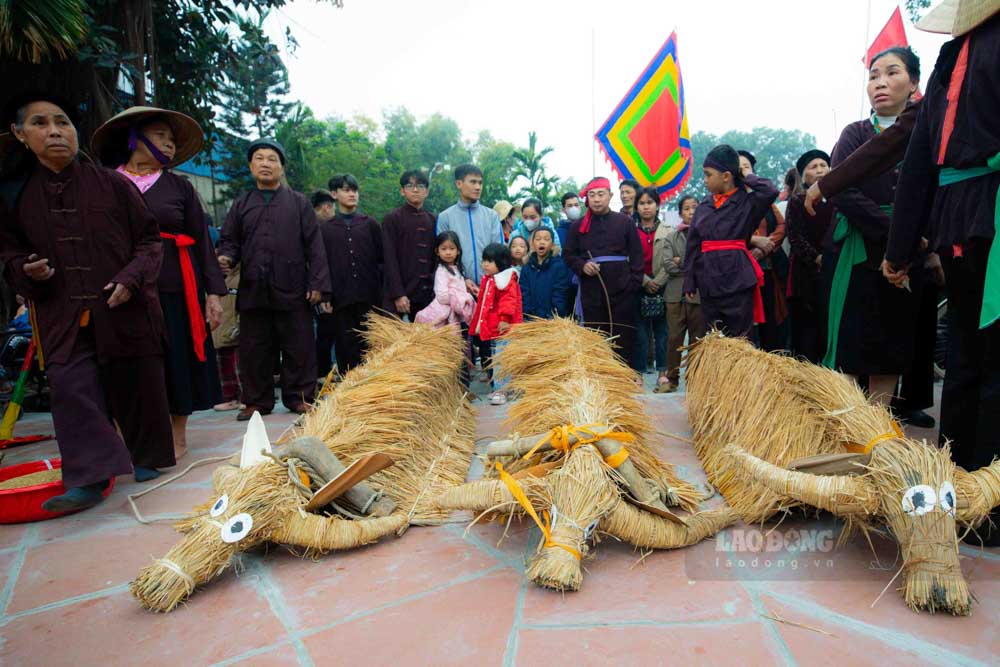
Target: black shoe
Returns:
[[145, 474], [918, 418], [76, 499], [246, 413]]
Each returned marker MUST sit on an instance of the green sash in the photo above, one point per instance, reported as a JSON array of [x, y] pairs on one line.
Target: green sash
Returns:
[[990, 312], [852, 253]]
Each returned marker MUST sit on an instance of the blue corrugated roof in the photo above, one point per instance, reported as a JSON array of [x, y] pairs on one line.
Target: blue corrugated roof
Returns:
[[198, 165]]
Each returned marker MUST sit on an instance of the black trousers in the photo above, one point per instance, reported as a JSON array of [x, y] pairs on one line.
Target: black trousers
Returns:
[[326, 334], [86, 395], [731, 313], [916, 389], [970, 400], [808, 327], [348, 335], [263, 332]]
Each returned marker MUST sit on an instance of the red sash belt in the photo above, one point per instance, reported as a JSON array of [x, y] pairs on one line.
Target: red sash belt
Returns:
[[758, 300], [195, 316]]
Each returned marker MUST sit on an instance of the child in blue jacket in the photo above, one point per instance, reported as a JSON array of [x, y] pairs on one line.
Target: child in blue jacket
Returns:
[[545, 279]]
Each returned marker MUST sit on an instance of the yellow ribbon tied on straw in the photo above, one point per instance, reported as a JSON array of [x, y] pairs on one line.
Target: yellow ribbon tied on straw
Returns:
[[588, 434], [856, 448], [546, 527]]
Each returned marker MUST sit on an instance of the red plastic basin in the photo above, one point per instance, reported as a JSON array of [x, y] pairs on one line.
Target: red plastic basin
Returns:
[[25, 504]]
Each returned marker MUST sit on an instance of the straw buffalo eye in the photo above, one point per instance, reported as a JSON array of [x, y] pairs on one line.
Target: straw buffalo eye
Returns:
[[236, 528], [220, 506], [946, 497], [919, 500]]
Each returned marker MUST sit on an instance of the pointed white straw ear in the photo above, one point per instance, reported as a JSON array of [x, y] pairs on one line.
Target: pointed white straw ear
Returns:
[[255, 441]]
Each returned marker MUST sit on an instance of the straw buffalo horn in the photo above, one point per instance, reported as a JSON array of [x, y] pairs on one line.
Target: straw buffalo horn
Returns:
[[644, 529], [523, 445], [327, 533], [641, 488], [312, 450], [840, 494], [979, 491]]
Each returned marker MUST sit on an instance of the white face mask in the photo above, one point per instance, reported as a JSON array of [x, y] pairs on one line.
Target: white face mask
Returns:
[[574, 213], [531, 224]]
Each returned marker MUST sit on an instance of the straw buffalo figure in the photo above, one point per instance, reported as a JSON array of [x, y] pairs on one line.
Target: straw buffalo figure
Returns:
[[403, 406], [834, 450], [914, 489], [592, 454]]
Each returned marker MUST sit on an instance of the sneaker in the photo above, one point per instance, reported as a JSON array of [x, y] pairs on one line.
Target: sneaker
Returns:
[[498, 398]]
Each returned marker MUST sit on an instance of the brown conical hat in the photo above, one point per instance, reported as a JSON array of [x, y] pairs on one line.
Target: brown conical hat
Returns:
[[111, 138], [957, 17]]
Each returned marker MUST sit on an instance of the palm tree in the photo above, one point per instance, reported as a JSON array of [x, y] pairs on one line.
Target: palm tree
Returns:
[[530, 167], [37, 30]]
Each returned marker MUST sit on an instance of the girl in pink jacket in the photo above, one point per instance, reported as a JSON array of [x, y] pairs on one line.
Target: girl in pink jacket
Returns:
[[452, 302]]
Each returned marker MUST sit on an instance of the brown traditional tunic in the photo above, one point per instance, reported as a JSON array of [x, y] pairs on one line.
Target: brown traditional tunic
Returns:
[[93, 227], [959, 221], [408, 247], [610, 235], [280, 251], [192, 384], [353, 246]]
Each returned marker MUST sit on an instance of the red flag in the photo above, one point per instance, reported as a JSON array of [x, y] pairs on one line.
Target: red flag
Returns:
[[893, 34]]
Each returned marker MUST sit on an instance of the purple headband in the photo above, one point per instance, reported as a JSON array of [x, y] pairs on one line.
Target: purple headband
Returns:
[[134, 137]]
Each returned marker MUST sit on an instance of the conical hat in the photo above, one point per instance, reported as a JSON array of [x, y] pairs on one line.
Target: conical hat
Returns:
[[110, 140], [957, 17]]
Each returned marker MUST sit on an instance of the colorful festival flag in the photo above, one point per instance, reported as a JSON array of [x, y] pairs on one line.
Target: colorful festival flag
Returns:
[[646, 137]]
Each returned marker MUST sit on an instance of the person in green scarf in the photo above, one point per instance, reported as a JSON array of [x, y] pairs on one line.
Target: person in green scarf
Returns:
[[949, 193], [870, 324]]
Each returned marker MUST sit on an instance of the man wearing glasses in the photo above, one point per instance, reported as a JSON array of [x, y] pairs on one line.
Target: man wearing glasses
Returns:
[[408, 249]]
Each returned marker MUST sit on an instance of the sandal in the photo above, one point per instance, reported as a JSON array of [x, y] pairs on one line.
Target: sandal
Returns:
[[664, 386]]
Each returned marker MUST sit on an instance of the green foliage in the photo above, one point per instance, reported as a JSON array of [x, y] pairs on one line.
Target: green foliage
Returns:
[[915, 8], [530, 168], [776, 151], [254, 84], [40, 30]]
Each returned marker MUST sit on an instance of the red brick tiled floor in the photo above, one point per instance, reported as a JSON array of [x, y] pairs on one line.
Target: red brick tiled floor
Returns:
[[448, 595]]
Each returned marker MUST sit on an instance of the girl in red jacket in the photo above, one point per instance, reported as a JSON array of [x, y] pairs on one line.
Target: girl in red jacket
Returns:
[[498, 307]]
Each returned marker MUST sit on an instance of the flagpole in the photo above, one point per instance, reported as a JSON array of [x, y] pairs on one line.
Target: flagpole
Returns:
[[864, 79], [593, 102]]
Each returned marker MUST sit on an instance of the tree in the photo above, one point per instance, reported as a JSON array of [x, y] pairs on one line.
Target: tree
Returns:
[[43, 30], [915, 8], [776, 151], [530, 167], [496, 159], [255, 83]]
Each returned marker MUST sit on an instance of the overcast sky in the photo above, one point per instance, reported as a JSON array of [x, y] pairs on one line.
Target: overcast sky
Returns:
[[520, 65]]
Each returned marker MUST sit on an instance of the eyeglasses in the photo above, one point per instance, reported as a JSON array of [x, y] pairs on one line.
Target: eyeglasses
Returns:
[[414, 186]]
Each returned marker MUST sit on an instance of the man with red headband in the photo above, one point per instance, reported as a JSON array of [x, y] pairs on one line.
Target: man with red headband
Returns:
[[605, 252]]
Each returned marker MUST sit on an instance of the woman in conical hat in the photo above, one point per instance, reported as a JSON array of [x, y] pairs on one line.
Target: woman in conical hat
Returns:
[[142, 144], [78, 241], [949, 193]]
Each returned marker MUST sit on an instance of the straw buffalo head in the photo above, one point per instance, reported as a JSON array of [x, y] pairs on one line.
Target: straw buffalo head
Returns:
[[910, 486], [257, 501]]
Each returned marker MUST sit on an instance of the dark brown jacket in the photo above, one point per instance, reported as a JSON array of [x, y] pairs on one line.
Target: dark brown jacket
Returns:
[[279, 248], [94, 229]]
